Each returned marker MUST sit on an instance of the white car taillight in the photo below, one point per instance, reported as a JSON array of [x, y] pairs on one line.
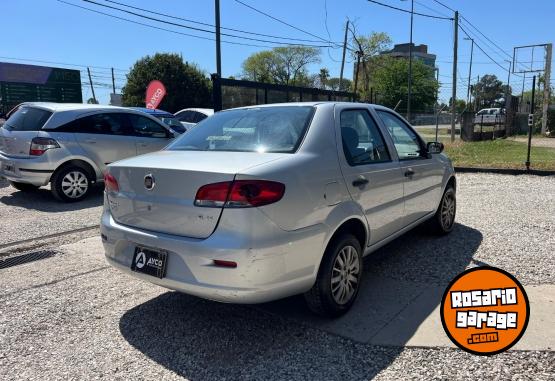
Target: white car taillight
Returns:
[[40, 145]]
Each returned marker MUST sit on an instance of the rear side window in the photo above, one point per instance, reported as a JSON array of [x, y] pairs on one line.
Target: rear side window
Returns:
[[27, 119], [264, 129], [186, 116], [147, 128], [104, 124]]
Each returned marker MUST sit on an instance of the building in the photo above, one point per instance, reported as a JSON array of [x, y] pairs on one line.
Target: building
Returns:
[[419, 52]]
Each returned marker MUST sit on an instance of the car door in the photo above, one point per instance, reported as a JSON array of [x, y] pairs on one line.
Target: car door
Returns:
[[372, 174], [150, 135], [422, 174], [105, 137]]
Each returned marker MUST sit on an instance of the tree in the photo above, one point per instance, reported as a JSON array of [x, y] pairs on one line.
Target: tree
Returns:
[[282, 65], [489, 92], [323, 76], [460, 105], [333, 84], [370, 47], [390, 81], [186, 85]]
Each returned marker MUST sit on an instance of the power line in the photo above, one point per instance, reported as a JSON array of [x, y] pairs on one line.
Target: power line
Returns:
[[199, 29], [482, 50], [160, 28], [407, 11], [431, 9], [497, 46], [59, 63], [445, 6], [286, 23], [208, 24]]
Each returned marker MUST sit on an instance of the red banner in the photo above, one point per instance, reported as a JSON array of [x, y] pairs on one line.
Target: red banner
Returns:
[[154, 94]]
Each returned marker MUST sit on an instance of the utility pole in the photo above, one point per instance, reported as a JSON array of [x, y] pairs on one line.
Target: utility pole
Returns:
[[522, 94], [469, 69], [410, 60], [454, 93], [217, 84], [343, 59], [546, 86], [92, 87], [359, 54], [113, 82], [218, 41]]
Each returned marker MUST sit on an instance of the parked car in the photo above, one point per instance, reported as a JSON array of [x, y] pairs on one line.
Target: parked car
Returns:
[[167, 117], [191, 116], [69, 145], [264, 202], [490, 116]]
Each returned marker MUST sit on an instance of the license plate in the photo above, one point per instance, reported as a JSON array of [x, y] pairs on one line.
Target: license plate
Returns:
[[150, 262]]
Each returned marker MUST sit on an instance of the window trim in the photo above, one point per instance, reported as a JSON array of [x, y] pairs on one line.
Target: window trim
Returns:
[[418, 137], [379, 132]]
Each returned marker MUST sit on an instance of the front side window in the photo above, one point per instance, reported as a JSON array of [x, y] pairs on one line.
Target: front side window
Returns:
[[147, 128], [198, 116], [362, 140], [407, 143], [264, 129], [27, 119]]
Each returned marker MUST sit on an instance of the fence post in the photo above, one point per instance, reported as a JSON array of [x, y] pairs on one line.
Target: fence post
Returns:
[[216, 92]]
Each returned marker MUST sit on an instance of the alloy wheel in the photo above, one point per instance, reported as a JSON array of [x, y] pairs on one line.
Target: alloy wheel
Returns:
[[75, 184], [345, 275], [448, 210]]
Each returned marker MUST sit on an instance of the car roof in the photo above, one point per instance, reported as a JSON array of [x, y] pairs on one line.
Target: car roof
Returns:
[[314, 104], [56, 107], [206, 111], [152, 111]]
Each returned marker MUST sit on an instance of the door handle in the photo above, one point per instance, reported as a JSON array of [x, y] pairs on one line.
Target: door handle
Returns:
[[360, 181], [409, 172]]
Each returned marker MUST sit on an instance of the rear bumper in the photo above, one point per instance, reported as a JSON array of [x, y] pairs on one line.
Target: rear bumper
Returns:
[[271, 264], [36, 171]]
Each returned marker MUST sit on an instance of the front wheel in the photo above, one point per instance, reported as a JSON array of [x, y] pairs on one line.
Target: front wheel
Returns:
[[443, 221], [23, 187], [338, 279], [70, 184]]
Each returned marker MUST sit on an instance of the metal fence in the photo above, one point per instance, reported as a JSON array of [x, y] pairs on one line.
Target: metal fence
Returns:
[[229, 93]]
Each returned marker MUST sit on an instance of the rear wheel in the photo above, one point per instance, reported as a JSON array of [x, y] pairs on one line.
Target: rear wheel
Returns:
[[70, 184], [23, 187], [338, 280], [443, 221]]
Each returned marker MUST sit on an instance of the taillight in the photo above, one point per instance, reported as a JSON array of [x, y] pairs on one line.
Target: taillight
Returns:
[[110, 183], [41, 145], [239, 194]]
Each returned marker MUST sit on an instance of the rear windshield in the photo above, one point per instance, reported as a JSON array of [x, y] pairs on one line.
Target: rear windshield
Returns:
[[265, 129], [27, 119]]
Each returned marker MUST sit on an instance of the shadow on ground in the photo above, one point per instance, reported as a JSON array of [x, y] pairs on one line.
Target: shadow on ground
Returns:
[[43, 200], [199, 339]]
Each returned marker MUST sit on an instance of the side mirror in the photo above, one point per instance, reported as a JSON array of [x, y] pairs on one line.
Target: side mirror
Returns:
[[435, 147]]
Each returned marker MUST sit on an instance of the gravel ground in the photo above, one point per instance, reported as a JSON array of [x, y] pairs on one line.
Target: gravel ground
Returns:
[[73, 317], [38, 213]]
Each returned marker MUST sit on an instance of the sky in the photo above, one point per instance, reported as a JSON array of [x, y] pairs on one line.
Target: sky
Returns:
[[54, 31]]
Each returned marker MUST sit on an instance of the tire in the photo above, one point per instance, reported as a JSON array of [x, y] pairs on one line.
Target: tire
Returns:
[[327, 299], [70, 184], [24, 187], [443, 221]]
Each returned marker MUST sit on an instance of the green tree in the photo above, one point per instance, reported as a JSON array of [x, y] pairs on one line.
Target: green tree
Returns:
[[282, 65], [369, 47], [333, 84], [460, 105], [186, 85], [489, 92], [390, 80]]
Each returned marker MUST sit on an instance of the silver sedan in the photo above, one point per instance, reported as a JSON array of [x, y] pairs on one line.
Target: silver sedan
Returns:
[[264, 202]]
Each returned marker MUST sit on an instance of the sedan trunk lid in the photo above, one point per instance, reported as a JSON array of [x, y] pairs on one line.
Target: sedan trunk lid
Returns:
[[168, 206]]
